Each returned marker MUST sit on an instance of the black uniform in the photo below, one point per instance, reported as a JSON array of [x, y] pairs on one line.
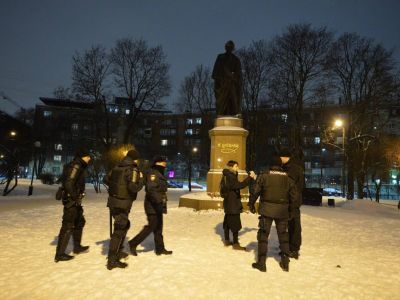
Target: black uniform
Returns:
[[73, 221], [296, 173], [233, 204], [154, 205], [124, 183], [277, 194]]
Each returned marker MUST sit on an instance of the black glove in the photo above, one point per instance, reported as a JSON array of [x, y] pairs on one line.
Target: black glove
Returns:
[[252, 208]]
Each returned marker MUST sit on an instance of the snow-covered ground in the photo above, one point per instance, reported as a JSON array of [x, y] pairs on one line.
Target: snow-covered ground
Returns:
[[350, 251]]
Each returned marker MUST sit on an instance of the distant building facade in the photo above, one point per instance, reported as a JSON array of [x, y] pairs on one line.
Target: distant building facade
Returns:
[[65, 125]]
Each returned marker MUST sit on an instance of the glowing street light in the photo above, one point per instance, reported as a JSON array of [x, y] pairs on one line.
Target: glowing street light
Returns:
[[340, 124], [13, 133]]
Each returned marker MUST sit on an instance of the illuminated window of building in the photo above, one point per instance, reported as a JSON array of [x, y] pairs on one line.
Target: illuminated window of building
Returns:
[[75, 126], [127, 111], [198, 121], [317, 140], [284, 117], [189, 121], [189, 131], [58, 147], [57, 158], [164, 142], [47, 113]]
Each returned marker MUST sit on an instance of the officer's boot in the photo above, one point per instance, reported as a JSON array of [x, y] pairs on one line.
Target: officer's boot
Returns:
[[260, 264], [77, 237], [236, 245], [294, 254], [160, 250], [132, 247], [227, 242], [62, 244], [121, 254], [284, 262], [113, 262], [113, 259]]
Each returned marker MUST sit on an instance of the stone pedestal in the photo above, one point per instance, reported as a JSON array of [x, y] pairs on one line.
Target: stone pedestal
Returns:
[[228, 142]]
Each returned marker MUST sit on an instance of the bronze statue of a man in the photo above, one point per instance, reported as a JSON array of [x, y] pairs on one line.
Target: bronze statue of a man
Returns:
[[227, 75]]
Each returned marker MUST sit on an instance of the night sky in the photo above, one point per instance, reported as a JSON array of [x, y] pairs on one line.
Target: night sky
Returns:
[[38, 38]]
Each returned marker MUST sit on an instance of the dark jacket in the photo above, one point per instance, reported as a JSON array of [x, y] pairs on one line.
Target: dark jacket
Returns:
[[233, 203], [73, 181], [156, 190], [277, 192], [296, 173], [124, 183]]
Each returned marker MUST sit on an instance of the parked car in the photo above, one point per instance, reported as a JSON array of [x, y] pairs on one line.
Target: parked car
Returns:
[[196, 185], [331, 192], [174, 184]]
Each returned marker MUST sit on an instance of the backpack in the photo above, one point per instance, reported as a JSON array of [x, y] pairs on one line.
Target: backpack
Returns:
[[223, 187]]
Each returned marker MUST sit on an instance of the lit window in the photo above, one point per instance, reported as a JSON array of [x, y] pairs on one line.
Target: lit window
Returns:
[[189, 131], [284, 117], [47, 113], [317, 140], [127, 111], [57, 157], [189, 121], [198, 121], [164, 142], [75, 126], [58, 147]]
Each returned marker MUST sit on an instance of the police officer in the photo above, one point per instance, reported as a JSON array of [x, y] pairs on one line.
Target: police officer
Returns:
[[155, 205], [277, 194], [295, 171], [124, 182], [73, 221]]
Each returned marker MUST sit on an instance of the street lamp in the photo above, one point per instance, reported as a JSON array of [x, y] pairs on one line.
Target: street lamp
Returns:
[[340, 124], [36, 146], [13, 133], [194, 150]]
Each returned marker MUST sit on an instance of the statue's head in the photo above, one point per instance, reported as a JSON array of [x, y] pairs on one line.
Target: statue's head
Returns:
[[229, 46]]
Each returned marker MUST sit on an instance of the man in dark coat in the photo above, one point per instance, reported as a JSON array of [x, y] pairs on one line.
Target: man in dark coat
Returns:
[[155, 205], [278, 194], [296, 172], [73, 221], [227, 75], [232, 202], [124, 182]]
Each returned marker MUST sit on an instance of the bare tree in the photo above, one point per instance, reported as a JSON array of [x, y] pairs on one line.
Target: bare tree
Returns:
[[256, 65], [298, 57], [196, 92], [25, 115], [62, 92], [196, 95], [90, 72], [141, 73], [364, 74]]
